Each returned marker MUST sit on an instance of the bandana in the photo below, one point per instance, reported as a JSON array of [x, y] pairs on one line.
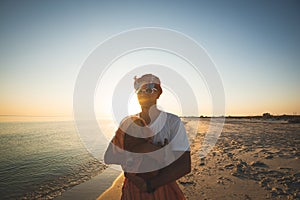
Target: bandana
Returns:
[[145, 79]]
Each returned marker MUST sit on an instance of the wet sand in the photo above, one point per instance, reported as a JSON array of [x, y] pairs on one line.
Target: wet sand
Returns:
[[251, 160], [92, 188]]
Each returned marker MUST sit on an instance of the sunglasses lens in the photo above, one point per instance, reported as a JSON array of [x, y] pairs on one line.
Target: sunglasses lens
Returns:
[[149, 91]]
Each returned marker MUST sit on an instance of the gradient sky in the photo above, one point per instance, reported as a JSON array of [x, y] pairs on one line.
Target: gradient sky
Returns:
[[254, 44]]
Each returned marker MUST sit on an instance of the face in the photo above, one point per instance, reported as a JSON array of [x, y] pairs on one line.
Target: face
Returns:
[[147, 95]]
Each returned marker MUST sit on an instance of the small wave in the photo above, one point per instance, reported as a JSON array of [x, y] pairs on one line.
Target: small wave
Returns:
[[57, 186]]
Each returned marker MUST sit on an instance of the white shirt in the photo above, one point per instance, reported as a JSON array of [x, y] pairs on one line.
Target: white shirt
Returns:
[[169, 126]]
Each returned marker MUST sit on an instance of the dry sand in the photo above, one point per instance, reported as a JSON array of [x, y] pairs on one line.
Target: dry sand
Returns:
[[251, 160]]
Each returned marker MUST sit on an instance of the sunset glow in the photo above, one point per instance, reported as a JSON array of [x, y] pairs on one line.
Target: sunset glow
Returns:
[[257, 55]]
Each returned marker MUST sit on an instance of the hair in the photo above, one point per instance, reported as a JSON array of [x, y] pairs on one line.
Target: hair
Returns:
[[158, 87]]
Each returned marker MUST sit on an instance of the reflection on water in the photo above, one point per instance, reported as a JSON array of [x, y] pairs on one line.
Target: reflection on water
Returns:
[[42, 158]]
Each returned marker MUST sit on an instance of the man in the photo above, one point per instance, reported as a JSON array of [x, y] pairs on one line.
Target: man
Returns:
[[168, 130], [158, 151]]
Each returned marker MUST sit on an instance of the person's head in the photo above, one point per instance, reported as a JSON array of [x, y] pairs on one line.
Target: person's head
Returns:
[[148, 89]]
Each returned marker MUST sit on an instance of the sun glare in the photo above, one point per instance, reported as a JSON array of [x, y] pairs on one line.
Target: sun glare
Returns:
[[133, 104], [167, 102]]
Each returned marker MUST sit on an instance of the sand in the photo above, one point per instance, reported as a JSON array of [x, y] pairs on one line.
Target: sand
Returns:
[[256, 160], [92, 188], [114, 192]]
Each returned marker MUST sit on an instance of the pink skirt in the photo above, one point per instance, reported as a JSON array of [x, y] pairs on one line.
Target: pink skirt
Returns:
[[170, 191]]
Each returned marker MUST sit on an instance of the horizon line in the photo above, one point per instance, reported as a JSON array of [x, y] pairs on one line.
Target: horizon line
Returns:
[[241, 115]]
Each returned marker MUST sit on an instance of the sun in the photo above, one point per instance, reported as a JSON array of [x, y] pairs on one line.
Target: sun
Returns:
[[168, 101]]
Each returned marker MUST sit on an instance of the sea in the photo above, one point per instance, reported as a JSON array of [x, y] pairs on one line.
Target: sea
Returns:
[[43, 159]]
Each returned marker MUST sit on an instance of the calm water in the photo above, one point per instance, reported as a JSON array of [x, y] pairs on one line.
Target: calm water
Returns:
[[42, 159]]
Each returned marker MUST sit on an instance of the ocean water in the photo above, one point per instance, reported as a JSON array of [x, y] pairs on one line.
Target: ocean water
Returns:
[[42, 159]]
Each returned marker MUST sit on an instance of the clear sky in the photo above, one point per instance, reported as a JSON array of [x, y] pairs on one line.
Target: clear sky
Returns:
[[254, 44]]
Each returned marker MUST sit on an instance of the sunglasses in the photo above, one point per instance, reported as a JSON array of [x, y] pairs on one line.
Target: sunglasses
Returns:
[[147, 89]]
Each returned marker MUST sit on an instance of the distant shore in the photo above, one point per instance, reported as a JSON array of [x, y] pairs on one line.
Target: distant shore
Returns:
[[265, 116]]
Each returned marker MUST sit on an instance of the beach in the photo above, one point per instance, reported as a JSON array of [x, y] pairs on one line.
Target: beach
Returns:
[[252, 159], [73, 72], [92, 188]]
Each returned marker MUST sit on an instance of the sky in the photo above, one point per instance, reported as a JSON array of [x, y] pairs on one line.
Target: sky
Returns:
[[255, 46]]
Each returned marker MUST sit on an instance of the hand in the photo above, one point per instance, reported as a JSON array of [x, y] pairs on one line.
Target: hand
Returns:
[[137, 181], [159, 144]]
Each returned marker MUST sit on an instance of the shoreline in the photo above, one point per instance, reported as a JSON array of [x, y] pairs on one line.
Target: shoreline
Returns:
[[114, 191], [91, 189]]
